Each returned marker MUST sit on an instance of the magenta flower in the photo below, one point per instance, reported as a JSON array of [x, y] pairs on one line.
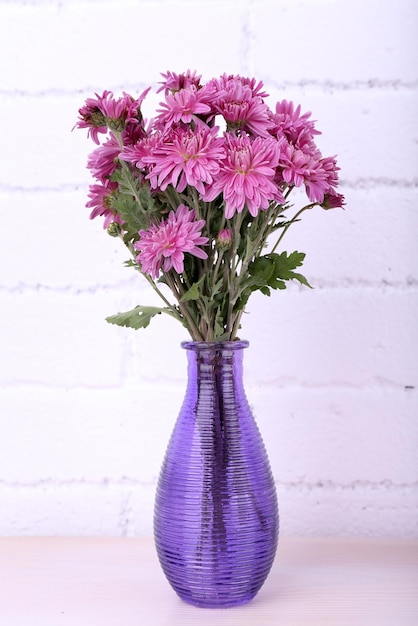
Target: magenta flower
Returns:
[[105, 111], [182, 106], [241, 106], [133, 132], [101, 203], [333, 200], [316, 184], [92, 116], [186, 157], [142, 154], [174, 82], [297, 167], [122, 110], [102, 162], [201, 192], [294, 165], [256, 87], [331, 169], [297, 128], [163, 245], [322, 178], [246, 176]]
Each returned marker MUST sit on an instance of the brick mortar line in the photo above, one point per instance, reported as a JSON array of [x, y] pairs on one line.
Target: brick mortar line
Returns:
[[325, 87], [362, 184], [376, 84], [380, 386], [132, 482], [410, 285]]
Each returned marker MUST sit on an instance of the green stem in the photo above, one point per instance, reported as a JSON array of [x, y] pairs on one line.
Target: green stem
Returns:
[[196, 203], [257, 245], [178, 292], [270, 227], [233, 266], [162, 296], [236, 324], [292, 221], [216, 268]]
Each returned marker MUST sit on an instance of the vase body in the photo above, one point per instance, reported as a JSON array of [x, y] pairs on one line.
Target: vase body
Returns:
[[216, 518]]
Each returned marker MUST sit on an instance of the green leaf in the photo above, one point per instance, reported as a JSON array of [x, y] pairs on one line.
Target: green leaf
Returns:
[[300, 278], [194, 292], [241, 302], [147, 199], [130, 212], [218, 326], [284, 265], [271, 271], [217, 287], [288, 261], [134, 201], [139, 317], [260, 273], [128, 183]]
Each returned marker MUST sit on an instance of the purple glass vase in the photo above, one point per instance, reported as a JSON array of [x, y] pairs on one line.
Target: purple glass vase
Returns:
[[216, 518]]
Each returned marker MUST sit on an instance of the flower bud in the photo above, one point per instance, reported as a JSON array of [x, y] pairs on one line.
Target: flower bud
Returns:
[[114, 229], [333, 201], [224, 239]]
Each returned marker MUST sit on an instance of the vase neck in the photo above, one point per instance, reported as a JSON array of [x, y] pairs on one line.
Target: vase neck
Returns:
[[216, 366], [211, 347]]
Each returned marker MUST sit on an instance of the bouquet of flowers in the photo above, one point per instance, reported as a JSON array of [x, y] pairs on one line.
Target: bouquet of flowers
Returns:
[[200, 194]]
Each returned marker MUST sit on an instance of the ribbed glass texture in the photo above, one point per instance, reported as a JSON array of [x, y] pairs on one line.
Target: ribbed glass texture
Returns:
[[216, 519]]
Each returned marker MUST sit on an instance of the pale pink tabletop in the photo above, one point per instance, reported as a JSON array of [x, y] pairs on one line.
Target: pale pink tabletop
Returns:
[[118, 582]]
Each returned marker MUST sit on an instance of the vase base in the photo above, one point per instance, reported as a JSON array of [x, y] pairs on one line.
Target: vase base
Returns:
[[217, 603]]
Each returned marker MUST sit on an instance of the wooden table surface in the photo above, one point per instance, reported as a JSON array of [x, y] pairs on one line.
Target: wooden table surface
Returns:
[[103, 581]]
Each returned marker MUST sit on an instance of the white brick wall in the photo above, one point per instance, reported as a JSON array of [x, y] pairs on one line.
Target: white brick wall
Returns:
[[332, 374]]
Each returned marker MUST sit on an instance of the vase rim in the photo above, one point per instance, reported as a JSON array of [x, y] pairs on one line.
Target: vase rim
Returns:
[[238, 344]]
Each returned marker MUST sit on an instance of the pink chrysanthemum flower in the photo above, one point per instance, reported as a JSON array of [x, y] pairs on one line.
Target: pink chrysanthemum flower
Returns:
[[105, 111], [246, 176], [102, 161], [322, 178], [115, 109], [101, 203], [316, 183], [298, 129], [133, 132], [241, 108], [186, 157], [92, 116], [142, 152], [182, 106], [294, 165], [163, 246], [174, 82], [331, 169], [297, 167], [256, 87], [124, 109]]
